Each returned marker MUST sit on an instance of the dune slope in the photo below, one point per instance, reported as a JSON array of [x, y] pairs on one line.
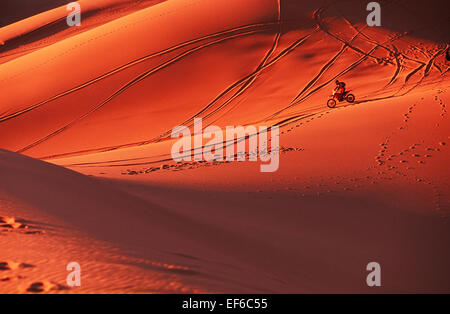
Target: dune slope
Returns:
[[86, 116]]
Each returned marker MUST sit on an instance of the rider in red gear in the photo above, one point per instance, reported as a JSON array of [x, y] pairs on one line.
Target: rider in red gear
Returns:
[[339, 90]]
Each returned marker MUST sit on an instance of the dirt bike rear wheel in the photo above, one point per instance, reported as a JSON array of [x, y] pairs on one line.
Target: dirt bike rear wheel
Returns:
[[350, 98], [331, 103]]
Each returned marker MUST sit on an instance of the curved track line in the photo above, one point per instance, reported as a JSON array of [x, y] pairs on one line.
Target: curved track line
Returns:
[[110, 148], [437, 67], [431, 61], [413, 72], [321, 72], [225, 144], [325, 68], [130, 84], [263, 26], [250, 82], [348, 69], [394, 52], [426, 65], [318, 19], [235, 85], [399, 67], [387, 48]]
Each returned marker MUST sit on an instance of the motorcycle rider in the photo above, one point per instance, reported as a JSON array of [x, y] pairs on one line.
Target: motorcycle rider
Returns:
[[339, 90]]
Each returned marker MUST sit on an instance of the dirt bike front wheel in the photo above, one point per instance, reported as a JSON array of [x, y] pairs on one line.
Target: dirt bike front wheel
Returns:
[[350, 98], [331, 103]]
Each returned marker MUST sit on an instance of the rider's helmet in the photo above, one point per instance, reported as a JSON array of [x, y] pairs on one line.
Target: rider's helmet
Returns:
[[337, 82]]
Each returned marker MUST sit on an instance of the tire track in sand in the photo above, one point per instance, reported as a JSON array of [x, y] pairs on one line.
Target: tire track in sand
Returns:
[[262, 26], [272, 62], [248, 77], [132, 83]]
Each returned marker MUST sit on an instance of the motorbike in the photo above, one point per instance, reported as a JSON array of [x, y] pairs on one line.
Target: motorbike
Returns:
[[349, 97]]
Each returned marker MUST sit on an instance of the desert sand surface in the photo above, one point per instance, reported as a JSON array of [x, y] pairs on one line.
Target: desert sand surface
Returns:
[[86, 172]]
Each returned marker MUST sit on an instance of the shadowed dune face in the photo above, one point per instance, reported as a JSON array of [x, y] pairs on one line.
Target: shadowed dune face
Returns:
[[367, 180], [230, 241], [420, 19]]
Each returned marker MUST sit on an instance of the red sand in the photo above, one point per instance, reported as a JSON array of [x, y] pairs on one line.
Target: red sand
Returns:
[[359, 183]]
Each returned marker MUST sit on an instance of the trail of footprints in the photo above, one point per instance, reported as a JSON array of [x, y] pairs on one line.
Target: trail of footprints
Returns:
[[12, 224], [202, 163], [442, 105], [324, 185], [410, 158], [303, 121], [12, 268], [45, 286], [9, 265], [388, 165], [407, 117]]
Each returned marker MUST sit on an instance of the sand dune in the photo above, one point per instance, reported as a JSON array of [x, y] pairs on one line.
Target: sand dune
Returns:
[[44, 28], [85, 121]]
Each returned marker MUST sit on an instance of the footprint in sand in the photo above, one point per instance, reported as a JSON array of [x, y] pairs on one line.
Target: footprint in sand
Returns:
[[10, 265], [35, 287], [11, 278], [45, 286], [12, 223]]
